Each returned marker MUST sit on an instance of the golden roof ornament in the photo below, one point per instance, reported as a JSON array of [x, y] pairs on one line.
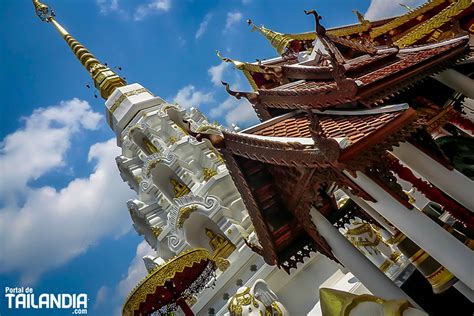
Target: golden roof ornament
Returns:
[[278, 40], [105, 80]]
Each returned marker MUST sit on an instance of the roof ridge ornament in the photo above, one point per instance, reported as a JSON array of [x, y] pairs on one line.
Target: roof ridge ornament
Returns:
[[278, 40], [251, 96], [333, 54], [105, 80]]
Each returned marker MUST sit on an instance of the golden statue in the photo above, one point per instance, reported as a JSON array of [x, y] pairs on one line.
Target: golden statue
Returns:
[[221, 246], [179, 189], [150, 147]]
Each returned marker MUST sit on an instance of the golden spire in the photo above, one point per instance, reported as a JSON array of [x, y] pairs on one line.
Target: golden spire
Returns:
[[278, 40], [105, 80]]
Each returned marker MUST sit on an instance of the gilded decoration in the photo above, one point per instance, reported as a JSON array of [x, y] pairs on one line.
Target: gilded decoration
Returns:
[[221, 263], [336, 303], [151, 148], [241, 299], [221, 246], [440, 278], [208, 173], [179, 189], [218, 155], [433, 23], [123, 96], [160, 275], [184, 214], [387, 27], [156, 231]]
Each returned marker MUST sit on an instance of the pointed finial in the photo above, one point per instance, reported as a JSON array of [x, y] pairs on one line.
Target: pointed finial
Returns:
[[225, 59], [320, 30], [279, 41], [105, 80], [237, 64], [251, 96], [360, 16], [406, 6]]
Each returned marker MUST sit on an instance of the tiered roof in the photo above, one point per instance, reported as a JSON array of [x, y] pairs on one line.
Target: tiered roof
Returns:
[[324, 112], [434, 21]]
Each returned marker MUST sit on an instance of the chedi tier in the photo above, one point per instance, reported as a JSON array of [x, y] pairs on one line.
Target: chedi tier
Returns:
[[351, 197]]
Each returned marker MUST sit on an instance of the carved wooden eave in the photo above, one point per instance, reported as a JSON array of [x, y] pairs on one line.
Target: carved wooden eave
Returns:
[[414, 64], [281, 152], [298, 237], [261, 228], [359, 132]]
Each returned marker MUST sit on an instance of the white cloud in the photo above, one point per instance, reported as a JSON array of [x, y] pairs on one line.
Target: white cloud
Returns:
[[135, 273], [107, 6], [136, 270], [217, 72], [203, 25], [241, 114], [102, 296], [142, 11], [181, 41], [42, 227], [235, 111], [379, 9], [190, 97], [41, 144], [232, 18]]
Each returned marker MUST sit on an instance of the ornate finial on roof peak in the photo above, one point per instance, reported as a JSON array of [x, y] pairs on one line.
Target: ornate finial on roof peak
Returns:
[[320, 30], [360, 16], [278, 40]]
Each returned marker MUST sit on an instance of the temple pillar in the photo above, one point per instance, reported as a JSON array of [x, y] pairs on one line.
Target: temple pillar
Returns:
[[427, 234], [465, 290], [372, 278], [452, 182], [457, 81]]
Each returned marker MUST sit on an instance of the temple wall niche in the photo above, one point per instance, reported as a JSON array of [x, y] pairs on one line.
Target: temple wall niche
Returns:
[[195, 231]]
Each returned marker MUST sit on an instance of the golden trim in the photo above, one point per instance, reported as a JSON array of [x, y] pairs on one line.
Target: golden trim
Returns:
[[385, 265], [398, 238], [339, 303], [387, 27], [122, 97], [156, 231], [439, 278], [362, 228], [208, 173], [419, 256], [184, 214], [179, 189], [160, 275], [433, 23]]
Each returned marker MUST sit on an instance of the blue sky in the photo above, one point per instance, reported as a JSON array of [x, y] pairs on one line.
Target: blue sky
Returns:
[[64, 226]]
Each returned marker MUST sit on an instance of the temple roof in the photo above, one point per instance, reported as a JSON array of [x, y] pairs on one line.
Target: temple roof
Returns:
[[365, 79], [434, 21], [404, 30]]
